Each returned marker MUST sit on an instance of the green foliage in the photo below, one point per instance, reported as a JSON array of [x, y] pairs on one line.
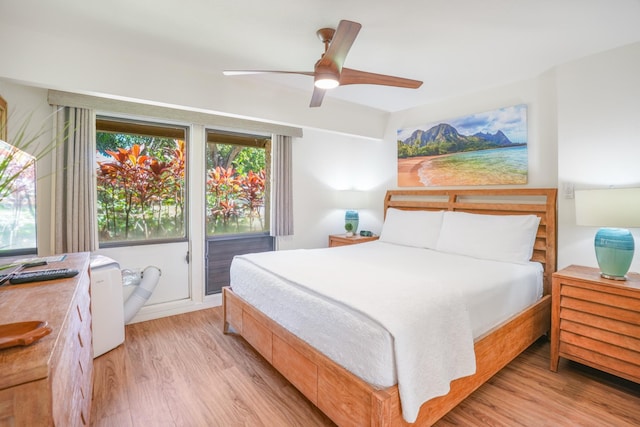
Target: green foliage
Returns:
[[249, 159], [236, 184], [141, 188], [141, 195], [15, 160], [442, 147], [235, 202]]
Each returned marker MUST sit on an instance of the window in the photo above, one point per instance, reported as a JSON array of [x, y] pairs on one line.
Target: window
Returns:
[[17, 201], [140, 181], [237, 205], [237, 183]]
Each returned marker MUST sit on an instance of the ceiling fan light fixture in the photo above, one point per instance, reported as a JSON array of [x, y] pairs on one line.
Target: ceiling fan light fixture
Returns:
[[328, 82], [326, 75]]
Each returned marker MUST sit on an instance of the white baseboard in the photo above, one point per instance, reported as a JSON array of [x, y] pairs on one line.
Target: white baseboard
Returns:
[[172, 308]]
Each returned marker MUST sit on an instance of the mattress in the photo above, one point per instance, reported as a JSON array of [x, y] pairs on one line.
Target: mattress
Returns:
[[489, 291]]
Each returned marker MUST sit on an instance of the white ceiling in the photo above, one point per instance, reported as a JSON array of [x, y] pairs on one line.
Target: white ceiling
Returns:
[[454, 46]]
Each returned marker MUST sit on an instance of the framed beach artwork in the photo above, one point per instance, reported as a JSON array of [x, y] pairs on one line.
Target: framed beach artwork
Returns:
[[487, 148]]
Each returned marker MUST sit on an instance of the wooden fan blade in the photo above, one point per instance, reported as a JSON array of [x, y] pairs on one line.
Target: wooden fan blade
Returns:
[[349, 76], [343, 38], [247, 72], [317, 97]]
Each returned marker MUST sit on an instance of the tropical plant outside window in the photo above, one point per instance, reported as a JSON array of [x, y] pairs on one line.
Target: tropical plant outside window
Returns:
[[237, 183], [140, 181], [17, 199]]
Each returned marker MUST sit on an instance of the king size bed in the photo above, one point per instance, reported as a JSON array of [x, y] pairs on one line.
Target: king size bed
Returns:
[[400, 330]]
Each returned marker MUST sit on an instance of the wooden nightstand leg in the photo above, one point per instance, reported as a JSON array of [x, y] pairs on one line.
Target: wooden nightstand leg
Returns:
[[555, 326], [555, 359]]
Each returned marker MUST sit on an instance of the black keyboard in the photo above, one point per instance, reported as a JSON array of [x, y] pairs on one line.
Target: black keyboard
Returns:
[[42, 275]]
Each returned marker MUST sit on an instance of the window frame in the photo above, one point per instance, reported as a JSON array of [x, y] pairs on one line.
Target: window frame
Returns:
[[246, 139], [149, 127]]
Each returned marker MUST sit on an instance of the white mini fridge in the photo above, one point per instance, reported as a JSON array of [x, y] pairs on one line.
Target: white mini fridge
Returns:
[[107, 305]]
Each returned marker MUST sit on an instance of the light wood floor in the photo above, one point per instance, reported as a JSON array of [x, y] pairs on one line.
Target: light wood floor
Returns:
[[182, 371]]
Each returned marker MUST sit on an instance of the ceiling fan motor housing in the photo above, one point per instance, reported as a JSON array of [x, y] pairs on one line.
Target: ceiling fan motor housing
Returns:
[[327, 75]]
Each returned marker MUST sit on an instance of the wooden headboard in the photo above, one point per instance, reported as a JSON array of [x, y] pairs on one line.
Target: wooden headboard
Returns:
[[512, 201]]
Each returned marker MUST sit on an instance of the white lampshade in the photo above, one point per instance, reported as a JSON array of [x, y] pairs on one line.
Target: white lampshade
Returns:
[[612, 207], [351, 199]]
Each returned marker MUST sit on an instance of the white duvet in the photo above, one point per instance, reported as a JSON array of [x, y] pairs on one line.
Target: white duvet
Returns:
[[388, 313]]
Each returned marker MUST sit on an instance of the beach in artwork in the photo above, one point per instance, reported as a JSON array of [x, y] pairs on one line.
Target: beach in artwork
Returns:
[[487, 167]]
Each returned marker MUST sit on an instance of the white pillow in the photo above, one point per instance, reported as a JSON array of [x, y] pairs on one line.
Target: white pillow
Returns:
[[412, 228], [498, 237]]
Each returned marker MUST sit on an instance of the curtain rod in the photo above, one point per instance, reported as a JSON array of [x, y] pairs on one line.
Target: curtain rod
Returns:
[[70, 99]]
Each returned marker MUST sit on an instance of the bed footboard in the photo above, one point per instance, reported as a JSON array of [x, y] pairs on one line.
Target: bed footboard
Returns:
[[348, 400]]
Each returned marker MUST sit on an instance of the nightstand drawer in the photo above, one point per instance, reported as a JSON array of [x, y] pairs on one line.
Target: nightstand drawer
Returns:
[[614, 305], [572, 320], [569, 330], [601, 310], [587, 353], [595, 349]]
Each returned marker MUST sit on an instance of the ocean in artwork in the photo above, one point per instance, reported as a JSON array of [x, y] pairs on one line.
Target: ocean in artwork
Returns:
[[486, 167]]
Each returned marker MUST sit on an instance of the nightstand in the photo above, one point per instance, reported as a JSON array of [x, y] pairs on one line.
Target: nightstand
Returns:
[[343, 239], [596, 321]]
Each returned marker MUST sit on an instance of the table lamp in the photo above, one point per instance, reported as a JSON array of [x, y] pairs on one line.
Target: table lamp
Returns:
[[352, 200], [614, 210]]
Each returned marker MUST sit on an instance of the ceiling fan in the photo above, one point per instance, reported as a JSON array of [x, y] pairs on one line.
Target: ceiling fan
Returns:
[[329, 73]]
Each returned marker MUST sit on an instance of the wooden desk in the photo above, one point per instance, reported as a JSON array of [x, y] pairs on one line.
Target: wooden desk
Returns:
[[49, 382], [596, 321]]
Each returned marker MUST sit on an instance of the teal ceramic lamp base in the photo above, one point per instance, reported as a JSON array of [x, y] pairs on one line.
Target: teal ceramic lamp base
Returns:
[[351, 217], [614, 252]]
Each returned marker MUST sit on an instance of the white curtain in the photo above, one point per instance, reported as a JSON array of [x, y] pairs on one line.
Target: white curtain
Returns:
[[282, 189], [75, 185]]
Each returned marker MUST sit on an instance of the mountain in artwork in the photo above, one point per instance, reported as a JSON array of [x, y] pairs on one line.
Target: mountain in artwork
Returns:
[[445, 139]]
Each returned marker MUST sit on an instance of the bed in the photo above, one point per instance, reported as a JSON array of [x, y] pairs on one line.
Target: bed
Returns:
[[312, 363]]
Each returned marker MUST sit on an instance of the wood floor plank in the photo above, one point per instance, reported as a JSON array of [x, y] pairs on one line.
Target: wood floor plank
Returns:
[[182, 371], [109, 387]]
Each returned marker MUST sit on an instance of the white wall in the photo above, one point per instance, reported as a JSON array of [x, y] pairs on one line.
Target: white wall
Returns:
[[325, 163], [598, 139]]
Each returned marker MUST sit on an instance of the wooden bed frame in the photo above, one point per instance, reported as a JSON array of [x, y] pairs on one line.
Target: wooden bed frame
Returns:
[[348, 400]]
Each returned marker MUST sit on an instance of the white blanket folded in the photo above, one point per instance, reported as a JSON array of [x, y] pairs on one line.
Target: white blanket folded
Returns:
[[428, 321]]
